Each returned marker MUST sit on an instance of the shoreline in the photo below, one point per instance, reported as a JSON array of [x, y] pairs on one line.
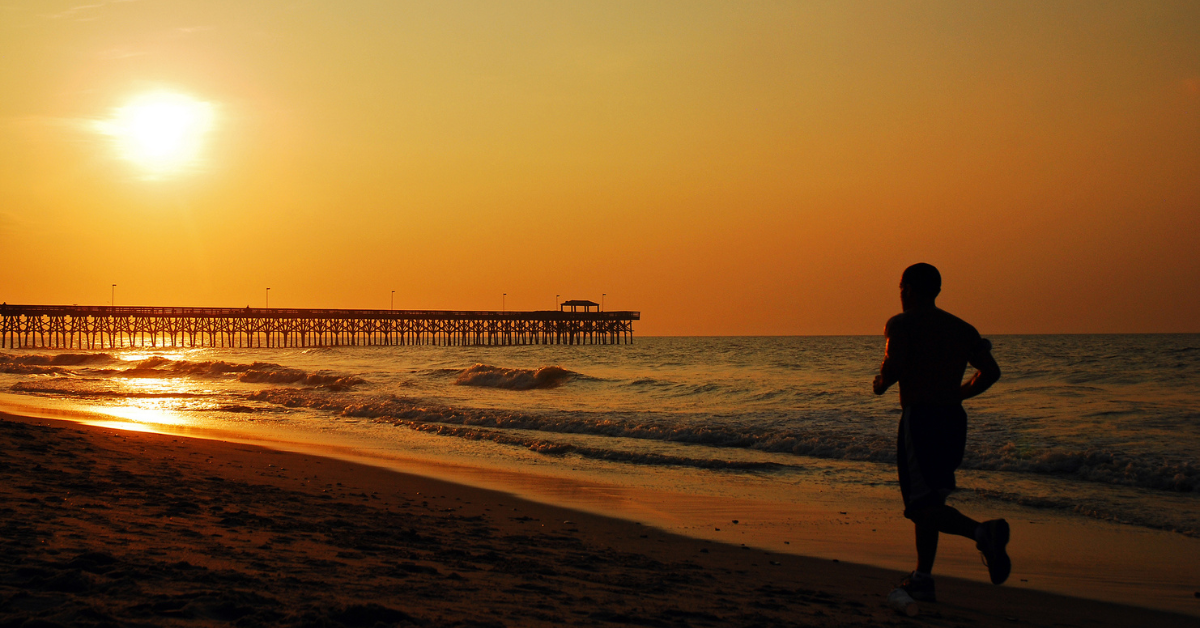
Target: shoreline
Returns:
[[141, 526], [815, 515]]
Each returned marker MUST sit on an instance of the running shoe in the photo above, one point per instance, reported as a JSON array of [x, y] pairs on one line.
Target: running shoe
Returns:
[[995, 538], [919, 588]]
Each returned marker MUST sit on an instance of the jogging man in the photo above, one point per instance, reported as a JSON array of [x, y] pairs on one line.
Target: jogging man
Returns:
[[927, 352]]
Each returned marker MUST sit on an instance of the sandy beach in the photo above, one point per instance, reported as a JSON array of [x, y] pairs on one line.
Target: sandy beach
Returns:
[[112, 527]]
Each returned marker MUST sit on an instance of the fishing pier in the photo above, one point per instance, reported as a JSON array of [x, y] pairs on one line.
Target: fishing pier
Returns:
[[99, 327]]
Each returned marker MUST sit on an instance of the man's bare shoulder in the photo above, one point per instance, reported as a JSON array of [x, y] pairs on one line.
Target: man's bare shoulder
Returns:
[[949, 319], [935, 321]]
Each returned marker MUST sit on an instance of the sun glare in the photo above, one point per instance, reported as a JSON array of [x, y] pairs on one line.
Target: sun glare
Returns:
[[162, 133]]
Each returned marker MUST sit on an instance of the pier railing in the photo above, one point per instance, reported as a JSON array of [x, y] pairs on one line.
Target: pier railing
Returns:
[[100, 327]]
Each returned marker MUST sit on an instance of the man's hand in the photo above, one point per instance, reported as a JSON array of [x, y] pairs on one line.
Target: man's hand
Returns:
[[880, 384]]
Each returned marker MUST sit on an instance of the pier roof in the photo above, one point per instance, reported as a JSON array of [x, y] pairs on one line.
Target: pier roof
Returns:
[[575, 304]]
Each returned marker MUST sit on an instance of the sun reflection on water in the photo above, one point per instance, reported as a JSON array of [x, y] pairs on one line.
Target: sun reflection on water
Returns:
[[156, 401], [138, 411], [120, 425]]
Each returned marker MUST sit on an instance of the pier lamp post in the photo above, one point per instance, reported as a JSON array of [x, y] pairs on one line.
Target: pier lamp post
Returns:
[[268, 298], [503, 301], [556, 301], [602, 295], [112, 297], [393, 306]]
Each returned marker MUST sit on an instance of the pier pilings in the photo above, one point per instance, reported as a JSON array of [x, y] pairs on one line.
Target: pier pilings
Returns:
[[99, 327]]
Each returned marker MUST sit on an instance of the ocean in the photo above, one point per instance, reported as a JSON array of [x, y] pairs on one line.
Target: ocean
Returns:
[[1095, 426]]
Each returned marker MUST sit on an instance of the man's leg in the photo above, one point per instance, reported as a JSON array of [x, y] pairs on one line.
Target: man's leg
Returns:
[[943, 518], [990, 537], [919, 584], [932, 520], [929, 478], [927, 541]]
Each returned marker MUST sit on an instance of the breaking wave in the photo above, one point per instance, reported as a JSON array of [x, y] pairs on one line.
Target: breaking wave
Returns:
[[60, 359], [1129, 514], [49, 364], [475, 424], [32, 369], [282, 375], [487, 376], [254, 373], [159, 367], [543, 446], [1093, 465], [48, 388]]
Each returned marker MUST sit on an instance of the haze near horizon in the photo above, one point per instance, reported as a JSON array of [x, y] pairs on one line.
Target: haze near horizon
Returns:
[[725, 168]]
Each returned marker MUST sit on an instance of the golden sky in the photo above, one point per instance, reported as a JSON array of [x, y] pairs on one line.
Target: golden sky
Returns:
[[723, 167]]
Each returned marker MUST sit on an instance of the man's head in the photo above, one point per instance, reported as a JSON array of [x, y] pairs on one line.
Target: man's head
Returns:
[[919, 284]]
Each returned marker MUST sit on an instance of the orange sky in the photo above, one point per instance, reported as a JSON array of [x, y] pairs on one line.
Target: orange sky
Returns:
[[726, 168]]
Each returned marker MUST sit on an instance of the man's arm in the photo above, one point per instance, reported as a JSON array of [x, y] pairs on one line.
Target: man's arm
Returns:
[[889, 371], [987, 374]]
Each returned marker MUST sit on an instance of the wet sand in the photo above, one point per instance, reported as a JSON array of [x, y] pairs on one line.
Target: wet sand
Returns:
[[113, 527]]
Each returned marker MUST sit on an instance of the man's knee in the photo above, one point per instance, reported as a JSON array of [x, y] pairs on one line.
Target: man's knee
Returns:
[[919, 516], [932, 515], [922, 509]]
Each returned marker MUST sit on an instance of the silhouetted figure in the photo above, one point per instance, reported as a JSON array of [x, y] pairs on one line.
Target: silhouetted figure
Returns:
[[927, 353]]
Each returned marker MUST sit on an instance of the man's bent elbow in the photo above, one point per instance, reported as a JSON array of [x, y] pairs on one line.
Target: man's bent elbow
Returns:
[[986, 378], [989, 370], [992, 375]]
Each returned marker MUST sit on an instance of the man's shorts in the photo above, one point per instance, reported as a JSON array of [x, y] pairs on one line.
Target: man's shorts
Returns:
[[929, 448]]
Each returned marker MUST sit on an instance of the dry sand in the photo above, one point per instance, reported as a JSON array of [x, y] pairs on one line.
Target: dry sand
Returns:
[[108, 527]]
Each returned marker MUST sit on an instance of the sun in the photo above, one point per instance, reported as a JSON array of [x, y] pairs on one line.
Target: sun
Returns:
[[161, 132]]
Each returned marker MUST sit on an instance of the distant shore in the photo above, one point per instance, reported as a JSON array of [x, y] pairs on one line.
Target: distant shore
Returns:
[[105, 526]]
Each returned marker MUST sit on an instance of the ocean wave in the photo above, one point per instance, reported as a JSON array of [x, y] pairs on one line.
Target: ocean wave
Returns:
[[160, 367], [31, 369], [68, 391], [253, 373], [1146, 518], [238, 409], [679, 389], [49, 364], [1094, 465], [769, 395], [154, 361], [58, 359], [487, 376], [474, 424], [283, 375], [205, 370], [543, 446], [442, 371]]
